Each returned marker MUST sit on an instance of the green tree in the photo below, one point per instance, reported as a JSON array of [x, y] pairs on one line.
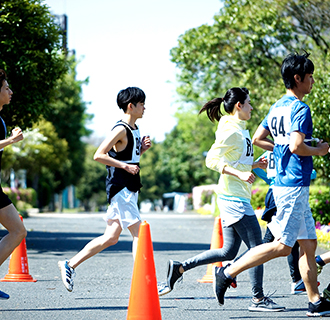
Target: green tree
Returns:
[[154, 180], [69, 117], [45, 87], [30, 52], [41, 153], [319, 100], [91, 186], [245, 47], [246, 41], [183, 153]]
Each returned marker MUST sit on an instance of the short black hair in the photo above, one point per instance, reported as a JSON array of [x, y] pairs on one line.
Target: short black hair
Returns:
[[130, 95], [3, 76], [295, 64]]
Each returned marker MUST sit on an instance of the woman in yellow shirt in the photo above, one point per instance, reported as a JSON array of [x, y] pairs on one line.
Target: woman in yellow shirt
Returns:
[[232, 156]]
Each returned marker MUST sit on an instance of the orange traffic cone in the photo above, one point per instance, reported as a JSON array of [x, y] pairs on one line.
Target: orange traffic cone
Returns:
[[216, 243], [18, 265], [144, 300]]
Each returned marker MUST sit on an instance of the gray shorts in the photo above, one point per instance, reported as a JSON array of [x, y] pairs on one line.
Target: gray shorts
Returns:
[[124, 207], [293, 220]]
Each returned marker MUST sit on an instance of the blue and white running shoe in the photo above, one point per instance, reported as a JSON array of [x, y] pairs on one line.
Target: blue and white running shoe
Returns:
[[67, 274]]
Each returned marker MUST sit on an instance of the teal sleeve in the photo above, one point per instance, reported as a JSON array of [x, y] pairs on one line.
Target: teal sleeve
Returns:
[[263, 175], [313, 174]]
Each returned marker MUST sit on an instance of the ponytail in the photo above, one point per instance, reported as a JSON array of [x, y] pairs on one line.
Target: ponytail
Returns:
[[230, 99], [212, 109]]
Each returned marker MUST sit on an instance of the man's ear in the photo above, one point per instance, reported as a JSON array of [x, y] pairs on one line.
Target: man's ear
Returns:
[[130, 105], [297, 78]]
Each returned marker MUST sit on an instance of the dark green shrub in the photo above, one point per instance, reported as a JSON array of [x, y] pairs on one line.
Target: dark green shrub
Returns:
[[319, 201]]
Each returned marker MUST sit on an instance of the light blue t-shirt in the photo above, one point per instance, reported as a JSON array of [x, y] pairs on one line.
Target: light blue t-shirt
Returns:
[[287, 115]]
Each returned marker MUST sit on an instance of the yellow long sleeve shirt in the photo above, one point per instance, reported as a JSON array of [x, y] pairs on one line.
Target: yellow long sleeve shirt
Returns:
[[229, 146]]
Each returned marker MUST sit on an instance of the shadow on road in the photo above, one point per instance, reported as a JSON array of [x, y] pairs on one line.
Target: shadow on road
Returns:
[[64, 241], [66, 309]]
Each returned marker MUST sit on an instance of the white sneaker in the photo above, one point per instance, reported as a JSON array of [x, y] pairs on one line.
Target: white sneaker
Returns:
[[67, 274], [163, 288]]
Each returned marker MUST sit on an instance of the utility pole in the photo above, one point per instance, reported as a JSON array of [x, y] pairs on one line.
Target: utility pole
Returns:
[[62, 21]]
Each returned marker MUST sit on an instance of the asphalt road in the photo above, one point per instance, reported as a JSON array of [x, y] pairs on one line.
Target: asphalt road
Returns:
[[102, 285]]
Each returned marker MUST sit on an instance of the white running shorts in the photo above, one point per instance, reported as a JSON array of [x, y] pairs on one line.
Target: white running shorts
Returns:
[[124, 207]]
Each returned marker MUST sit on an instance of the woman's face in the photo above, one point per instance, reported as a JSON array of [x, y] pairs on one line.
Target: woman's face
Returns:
[[245, 109]]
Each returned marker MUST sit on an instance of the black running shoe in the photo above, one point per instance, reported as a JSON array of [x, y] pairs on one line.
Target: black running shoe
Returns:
[[173, 273], [220, 284], [4, 295], [322, 309]]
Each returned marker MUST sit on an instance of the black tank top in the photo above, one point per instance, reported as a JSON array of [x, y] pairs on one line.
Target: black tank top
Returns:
[[3, 133], [117, 178]]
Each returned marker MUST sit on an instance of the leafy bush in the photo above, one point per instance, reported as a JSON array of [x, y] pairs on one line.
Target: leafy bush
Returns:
[[258, 196], [207, 197], [319, 201], [22, 198]]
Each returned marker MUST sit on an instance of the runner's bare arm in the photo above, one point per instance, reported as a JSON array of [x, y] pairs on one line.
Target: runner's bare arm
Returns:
[[260, 139], [117, 140]]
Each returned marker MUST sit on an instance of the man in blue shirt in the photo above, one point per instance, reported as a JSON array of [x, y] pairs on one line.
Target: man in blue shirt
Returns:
[[289, 122]]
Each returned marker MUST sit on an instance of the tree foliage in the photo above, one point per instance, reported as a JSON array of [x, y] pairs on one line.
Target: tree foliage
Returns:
[[69, 117], [245, 47], [41, 147], [154, 179], [30, 52], [41, 153], [319, 100], [46, 93], [183, 153], [91, 186]]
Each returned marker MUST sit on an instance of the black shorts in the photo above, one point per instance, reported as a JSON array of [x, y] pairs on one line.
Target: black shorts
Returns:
[[4, 200]]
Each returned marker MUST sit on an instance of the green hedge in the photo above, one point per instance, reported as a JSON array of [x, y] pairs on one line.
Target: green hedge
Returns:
[[258, 196], [22, 198], [319, 201]]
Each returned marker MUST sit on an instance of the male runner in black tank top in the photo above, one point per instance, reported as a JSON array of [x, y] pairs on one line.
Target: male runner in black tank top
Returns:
[[9, 217], [120, 152]]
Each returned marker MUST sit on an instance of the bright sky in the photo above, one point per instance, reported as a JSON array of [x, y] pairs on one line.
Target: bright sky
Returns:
[[123, 43]]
